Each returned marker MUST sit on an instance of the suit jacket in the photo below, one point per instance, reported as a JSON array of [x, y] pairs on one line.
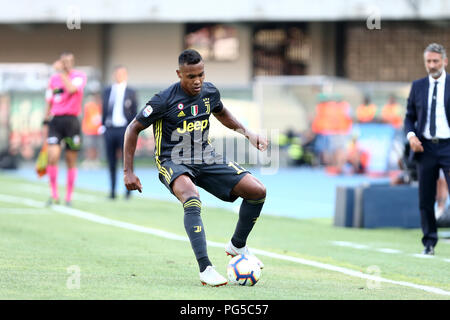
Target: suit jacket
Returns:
[[417, 106], [129, 105]]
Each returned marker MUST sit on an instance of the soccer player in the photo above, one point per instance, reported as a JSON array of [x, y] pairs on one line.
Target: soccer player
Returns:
[[185, 159], [64, 96]]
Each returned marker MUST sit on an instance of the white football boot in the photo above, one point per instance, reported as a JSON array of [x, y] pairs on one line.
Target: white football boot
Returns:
[[212, 278], [231, 250]]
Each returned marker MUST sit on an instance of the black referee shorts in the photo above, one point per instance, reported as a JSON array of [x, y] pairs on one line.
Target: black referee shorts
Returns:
[[218, 179], [67, 129]]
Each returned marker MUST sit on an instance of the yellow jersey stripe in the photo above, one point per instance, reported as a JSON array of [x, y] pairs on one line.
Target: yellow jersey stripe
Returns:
[[158, 163], [166, 174], [158, 136]]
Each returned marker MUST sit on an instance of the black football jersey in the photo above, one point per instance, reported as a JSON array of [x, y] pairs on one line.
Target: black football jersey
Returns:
[[181, 123]]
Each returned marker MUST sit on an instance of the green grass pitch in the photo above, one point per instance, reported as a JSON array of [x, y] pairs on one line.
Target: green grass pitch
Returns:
[[41, 247]]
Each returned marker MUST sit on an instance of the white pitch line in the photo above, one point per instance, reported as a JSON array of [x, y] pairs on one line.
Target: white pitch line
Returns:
[[350, 244], [21, 200], [44, 190], [382, 250], [388, 250], [23, 211], [422, 256], [168, 235], [125, 225]]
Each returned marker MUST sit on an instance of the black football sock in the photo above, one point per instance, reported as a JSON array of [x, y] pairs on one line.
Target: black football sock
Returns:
[[203, 263], [248, 214], [196, 233]]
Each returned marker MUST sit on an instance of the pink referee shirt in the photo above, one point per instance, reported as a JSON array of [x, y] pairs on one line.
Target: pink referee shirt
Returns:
[[63, 102]]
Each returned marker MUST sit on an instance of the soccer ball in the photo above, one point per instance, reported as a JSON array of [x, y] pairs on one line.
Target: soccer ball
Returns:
[[243, 270]]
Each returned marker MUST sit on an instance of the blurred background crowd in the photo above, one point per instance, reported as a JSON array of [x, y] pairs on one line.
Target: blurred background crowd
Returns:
[[331, 80]]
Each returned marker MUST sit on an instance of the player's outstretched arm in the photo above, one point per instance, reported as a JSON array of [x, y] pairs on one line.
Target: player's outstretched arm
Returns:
[[229, 121], [131, 181]]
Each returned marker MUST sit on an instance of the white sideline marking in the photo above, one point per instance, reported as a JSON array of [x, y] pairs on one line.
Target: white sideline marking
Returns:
[[350, 244], [22, 211], [383, 250], [363, 246], [388, 250], [422, 256], [44, 190], [168, 235], [25, 201]]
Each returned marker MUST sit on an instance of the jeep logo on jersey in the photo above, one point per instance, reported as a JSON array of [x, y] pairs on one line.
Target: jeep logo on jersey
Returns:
[[147, 111], [194, 110], [191, 126]]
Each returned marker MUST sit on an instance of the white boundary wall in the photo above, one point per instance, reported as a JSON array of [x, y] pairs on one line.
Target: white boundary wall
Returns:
[[22, 11]]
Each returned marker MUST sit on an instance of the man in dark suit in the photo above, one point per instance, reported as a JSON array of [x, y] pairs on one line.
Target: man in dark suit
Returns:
[[119, 109], [428, 131]]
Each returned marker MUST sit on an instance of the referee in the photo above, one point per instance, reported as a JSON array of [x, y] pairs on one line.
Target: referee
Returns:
[[64, 96]]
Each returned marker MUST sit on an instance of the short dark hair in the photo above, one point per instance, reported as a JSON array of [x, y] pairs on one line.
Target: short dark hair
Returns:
[[189, 56]]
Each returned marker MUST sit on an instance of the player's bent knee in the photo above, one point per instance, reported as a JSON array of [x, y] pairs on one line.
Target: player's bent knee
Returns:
[[260, 191], [187, 195], [257, 192], [184, 195], [184, 188], [250, 188]]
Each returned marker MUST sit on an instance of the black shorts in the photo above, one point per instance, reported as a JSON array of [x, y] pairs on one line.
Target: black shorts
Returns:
[[218, 179], [67, 129]]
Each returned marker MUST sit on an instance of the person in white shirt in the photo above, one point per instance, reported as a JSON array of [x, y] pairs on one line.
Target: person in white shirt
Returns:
[[119, 109], [427, 129]]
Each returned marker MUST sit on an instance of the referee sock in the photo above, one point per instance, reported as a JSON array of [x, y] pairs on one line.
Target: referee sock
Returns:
[[71, 176], [196, 233], [53, 179], [248, 214]]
